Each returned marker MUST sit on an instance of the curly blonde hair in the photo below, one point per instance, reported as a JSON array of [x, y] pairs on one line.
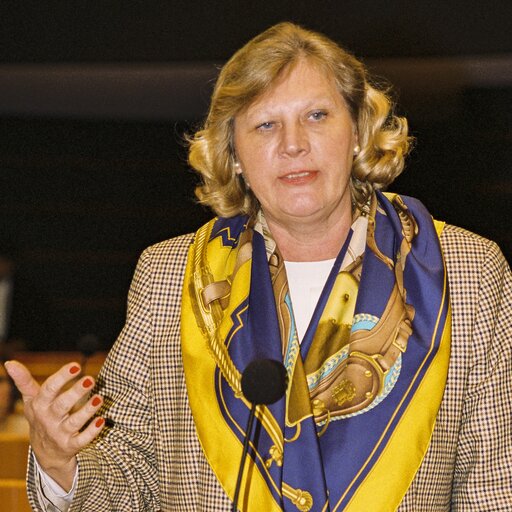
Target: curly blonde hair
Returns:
[[382, 136]]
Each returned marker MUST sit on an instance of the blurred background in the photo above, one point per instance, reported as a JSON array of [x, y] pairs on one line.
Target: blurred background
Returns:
[[95, 97]]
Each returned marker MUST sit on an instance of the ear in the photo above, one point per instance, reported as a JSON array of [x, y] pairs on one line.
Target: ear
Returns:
[[357, 147]]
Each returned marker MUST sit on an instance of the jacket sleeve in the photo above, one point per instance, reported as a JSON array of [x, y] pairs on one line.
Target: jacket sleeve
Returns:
[[483, 469], [118, 471]]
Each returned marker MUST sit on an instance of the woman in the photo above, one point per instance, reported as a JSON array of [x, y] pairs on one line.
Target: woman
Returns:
[[389, 404]]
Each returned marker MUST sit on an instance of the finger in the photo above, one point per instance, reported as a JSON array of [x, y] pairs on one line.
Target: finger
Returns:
[[70, 398], [53, 384], [26, 384], [74, 422], [82, 439]]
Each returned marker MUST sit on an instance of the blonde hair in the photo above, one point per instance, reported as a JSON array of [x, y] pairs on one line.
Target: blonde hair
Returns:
[[382, 136]]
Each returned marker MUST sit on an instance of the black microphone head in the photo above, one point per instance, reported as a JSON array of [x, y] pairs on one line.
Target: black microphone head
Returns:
[[264, 381], [88, 345]]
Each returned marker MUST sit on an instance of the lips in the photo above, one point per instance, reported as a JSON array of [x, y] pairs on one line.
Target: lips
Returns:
[[299, 177]]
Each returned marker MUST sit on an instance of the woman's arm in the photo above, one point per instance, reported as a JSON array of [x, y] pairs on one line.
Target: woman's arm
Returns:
[[483, 471], [118, 471]]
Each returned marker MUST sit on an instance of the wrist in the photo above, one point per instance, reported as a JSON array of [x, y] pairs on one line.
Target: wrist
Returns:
[[63, 473]]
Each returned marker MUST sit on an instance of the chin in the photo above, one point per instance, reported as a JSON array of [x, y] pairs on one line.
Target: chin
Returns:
[[303, 213]]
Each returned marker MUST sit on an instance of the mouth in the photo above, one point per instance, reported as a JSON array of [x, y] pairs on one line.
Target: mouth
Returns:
[[299, 177]]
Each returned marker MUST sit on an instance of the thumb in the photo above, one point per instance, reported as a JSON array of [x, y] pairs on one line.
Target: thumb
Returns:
[[23, 379]]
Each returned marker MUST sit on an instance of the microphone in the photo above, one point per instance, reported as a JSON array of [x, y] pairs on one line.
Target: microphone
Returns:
[[87, 345], [263, 383]]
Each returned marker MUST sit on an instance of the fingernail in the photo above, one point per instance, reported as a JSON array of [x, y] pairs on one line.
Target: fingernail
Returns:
[[87, 383], [96, 401], [74, 369], [99, 422]]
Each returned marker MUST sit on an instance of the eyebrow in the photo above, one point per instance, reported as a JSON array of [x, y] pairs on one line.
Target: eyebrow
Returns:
[[318, 102]]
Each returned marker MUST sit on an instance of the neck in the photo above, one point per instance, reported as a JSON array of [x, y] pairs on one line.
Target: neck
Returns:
[[311, 242]]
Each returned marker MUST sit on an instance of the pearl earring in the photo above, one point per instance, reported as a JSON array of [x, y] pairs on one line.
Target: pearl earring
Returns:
[[357, 149]]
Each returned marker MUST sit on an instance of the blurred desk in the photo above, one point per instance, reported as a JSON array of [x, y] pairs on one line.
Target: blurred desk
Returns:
[[44, 364], [13, 496], [13, 456], [13, 468]]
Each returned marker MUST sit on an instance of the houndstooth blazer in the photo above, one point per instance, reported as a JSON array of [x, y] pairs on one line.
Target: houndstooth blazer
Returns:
[[151, 458]]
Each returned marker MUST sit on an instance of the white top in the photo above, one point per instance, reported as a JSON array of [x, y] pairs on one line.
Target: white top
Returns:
[[306, 280]]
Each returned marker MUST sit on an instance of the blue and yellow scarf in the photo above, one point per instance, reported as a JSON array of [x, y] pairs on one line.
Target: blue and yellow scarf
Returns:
[[365, 384]]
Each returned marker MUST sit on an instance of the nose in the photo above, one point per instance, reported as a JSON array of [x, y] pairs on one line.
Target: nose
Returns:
[[294, 139]]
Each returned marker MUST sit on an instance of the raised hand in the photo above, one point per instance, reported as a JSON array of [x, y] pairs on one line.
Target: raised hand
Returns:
[[56, 417]]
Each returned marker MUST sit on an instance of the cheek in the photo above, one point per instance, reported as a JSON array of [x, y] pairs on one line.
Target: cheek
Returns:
[[255, 153], [256, 164]]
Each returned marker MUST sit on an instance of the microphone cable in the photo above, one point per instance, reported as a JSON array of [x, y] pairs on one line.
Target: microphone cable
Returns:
[[263, 383]]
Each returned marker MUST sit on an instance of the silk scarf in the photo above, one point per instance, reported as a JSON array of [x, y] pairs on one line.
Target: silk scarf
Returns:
[[365, 384]]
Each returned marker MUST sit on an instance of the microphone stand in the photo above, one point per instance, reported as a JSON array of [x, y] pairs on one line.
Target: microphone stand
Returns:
[[263, 383], [244, 455], [87, 345]]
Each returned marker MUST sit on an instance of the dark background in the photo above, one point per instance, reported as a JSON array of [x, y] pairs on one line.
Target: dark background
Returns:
[[95, 98]]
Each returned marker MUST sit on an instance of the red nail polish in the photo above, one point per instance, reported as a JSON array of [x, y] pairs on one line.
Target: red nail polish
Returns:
[[99, 422], [96, 401], [74, 369], [87, 383]]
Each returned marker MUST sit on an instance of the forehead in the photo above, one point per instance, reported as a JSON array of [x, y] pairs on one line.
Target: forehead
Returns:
[[304, 78]]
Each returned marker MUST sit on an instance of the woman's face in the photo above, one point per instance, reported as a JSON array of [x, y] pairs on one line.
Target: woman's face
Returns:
[[295, 147]]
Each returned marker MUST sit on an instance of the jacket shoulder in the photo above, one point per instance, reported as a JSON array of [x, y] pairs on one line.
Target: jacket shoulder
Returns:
[[462, 248], [174, 245], [171, 252], [477, 269]]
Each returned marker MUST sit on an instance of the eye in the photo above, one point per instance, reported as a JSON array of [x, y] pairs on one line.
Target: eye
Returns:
[[318, 115], [267, 125]]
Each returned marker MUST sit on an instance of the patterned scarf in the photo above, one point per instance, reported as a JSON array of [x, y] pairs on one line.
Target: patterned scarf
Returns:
[[365, 384]]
